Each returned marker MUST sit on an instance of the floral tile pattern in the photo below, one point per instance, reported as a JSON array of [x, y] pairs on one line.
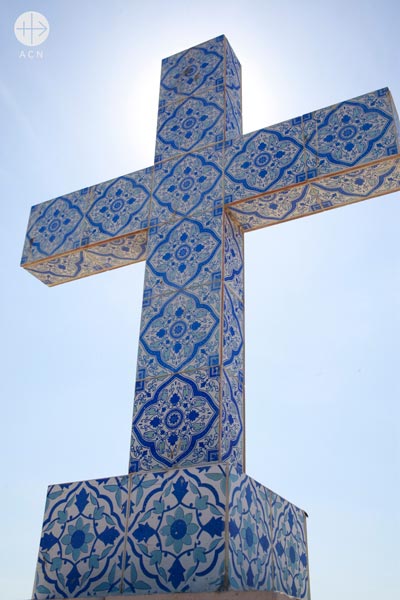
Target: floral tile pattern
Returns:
[[179, 331], [234, 256], [307, 199], [170, 531], [175, 421], [193, 70], [264, 160], [268, 547], [233, 71], [82, 543], [102, 257], [289, 548], [188, 185], [250, 537], [232, 429], [176, 530], [353, 132], [55, 226], [184, 253], [190, 124], [119, 207], [233, 125], [233, 327]]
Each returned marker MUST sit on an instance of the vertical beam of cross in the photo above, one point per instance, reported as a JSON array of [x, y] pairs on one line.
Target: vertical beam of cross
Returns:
[[188, 406]]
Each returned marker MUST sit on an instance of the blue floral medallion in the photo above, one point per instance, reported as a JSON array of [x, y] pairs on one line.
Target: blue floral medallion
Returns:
[[191, 122], [174, 418], [82, 542], [263, 160], [176, 530], [186, 249], [176, 334], [117, 205], [348, 133], [60, 219], [187, 185], [193, 69]]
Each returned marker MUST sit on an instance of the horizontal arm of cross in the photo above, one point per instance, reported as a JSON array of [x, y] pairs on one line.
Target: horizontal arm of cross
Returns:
[[332, 157]]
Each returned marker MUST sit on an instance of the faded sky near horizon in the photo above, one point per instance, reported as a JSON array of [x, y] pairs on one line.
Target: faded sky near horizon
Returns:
[[322, 293]]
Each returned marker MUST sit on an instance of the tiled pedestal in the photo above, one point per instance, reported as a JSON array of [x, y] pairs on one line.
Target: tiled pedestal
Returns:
[[204, 529]]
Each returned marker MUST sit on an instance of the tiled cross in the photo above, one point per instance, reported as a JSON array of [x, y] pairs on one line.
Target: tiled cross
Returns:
[[186, 216]]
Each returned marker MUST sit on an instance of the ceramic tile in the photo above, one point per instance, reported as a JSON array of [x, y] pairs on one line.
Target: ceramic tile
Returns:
[[102, 257], [393, 111], [55, 226], [191, 124], [311, 160], [192, 71], [272, 208], [82, 543], [232, 425], [289, 546], [176, 531], [59, 270], [353, 186], [175, 421], [185, 253], [116, 253], [322, 194], [179, 332], [250, 536], [265, 160], [233, 70], [118, 207], [188, 185], [233, 115], [233, 256], [354, 132], [233, 336]]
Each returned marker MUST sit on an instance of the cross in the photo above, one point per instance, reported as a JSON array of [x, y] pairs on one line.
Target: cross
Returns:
[[186, 216]]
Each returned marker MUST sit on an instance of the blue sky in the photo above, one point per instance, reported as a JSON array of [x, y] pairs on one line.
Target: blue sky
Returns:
[[322, 294]]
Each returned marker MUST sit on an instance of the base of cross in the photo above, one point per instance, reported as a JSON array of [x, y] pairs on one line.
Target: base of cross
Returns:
[[206, 529], [229, 595]]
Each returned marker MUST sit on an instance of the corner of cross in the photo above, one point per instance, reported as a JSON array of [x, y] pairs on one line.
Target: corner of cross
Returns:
[[186, 216]]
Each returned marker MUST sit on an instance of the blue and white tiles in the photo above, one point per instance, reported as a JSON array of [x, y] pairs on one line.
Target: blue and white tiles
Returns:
[[264, 160], [176, 421], [183, 530], [195, 69], [352, 133], [83, 539], [101, 257], [119, 207], [176, 530], [188, 185], [289, 541]]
